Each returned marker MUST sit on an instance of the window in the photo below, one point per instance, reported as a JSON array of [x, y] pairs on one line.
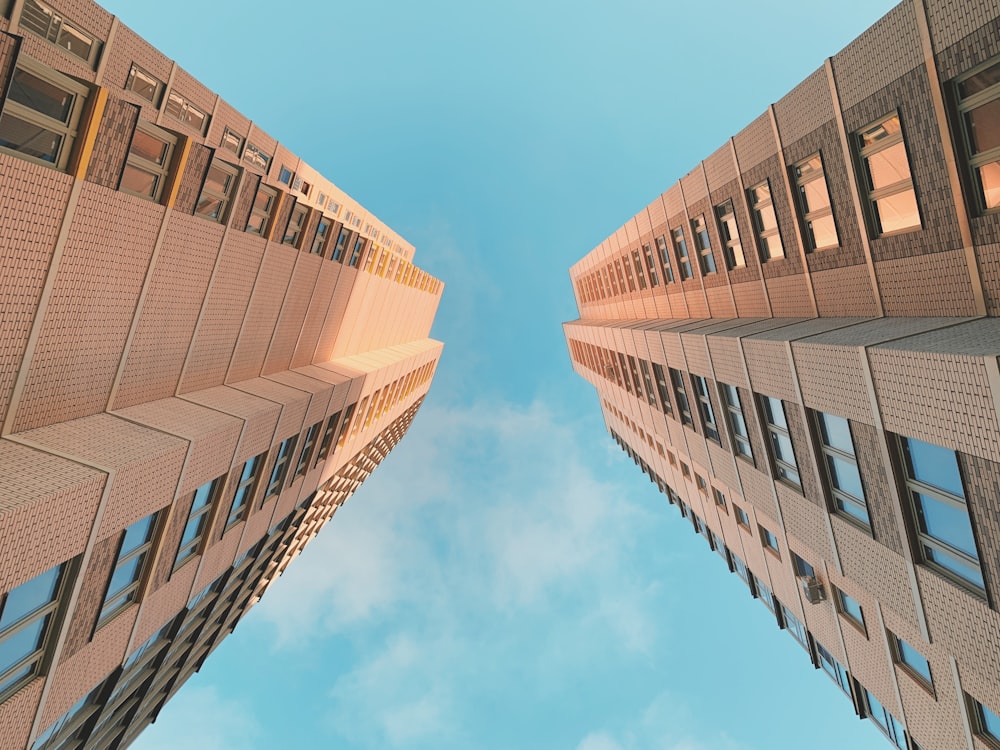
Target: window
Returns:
[[231, 142], [719, 546], [201, 505], [49, 24], [648, 381], [41, 114], [647, 251], [814, 203], [322, 233], [285, 175], [732, 248], [681, 248], [307, 448], [217, 191], [802, 568], [359, 246], [934, 485], [764, 593], [27, 616], [329, 433], [253, 155], [834, 669], [296, 223], [765, 222], [280, 468], [704, 244], [849, 607], [705, 408], [245, 489], [769, 541], [885, 721], [639, 273], [148, 163], [737, 423], [741, 517], [661, 388], [668, 271], [677, 378], [740, 568], [785, 466], [186, 113], [979, 107], [720, 499], [260, 212], [912, 660], [146, 85], [892, 201], [133, 550], [794, 627], [841, 465], [985, 723]]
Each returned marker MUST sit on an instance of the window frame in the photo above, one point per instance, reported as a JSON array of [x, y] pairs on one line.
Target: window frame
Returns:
[[156, 97], [929, 546], [223, 197], [280, 468], [769, 541], [246, 488], [740, 439], [784, 470], [732, 247], [871, 195], [766, 236], [115, 602], [974, 161], [981, 722], [160, 171], [703, 245], [662, 388], [35, 662], [266, 214], [742, 519], [323, 233], [53, 33], [201, 516], [67, 130], [179, 108], [308, 443], [664, 252], [902, 658], [844, 503], [679, 242], [808, 216], [295, 228], [881, 717], [680, 393], [845, 604], [708, 420]]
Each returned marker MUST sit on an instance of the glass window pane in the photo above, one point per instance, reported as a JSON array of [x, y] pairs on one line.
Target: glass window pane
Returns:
[[775, 412], [960, 568], [913, 659], [814, 195], [29, 596], [945, 522], [139, 181], [933, 465], [22, 644], [823, 233], [208, 206], [137, 534], [989, 720], [16, 677], [853, 509], [75, 41], [125, 575], [989, 181], [836, 432], [898, 211], [192, 530], [142, 84], [844, 476], [767, 218], [29, 139], [888, 166], [218, 180], [884, 129], [980, 81], [984, 126], [41, 96], [148, 147], [762, 193], [202, 495]]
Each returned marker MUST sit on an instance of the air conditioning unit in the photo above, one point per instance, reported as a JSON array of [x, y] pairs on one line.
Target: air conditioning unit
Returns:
[[812, 589]]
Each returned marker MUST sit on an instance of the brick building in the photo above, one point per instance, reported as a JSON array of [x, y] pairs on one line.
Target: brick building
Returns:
[[205, 347], [797, 342]]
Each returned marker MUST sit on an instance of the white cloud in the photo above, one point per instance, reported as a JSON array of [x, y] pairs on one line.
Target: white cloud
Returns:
[[598, 741], [198, 717]]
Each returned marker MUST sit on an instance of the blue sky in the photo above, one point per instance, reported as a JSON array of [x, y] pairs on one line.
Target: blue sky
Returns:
[[507, 578]]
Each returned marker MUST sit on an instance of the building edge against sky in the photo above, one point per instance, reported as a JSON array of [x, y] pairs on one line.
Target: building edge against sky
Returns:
[[797, 342], [206, 347]]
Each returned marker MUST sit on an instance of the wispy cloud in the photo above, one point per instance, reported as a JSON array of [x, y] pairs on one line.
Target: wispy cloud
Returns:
[[202, 718], [499, 555]]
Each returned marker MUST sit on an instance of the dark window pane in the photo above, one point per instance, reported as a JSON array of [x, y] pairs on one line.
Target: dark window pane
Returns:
[[29, 596], [41, 96]]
